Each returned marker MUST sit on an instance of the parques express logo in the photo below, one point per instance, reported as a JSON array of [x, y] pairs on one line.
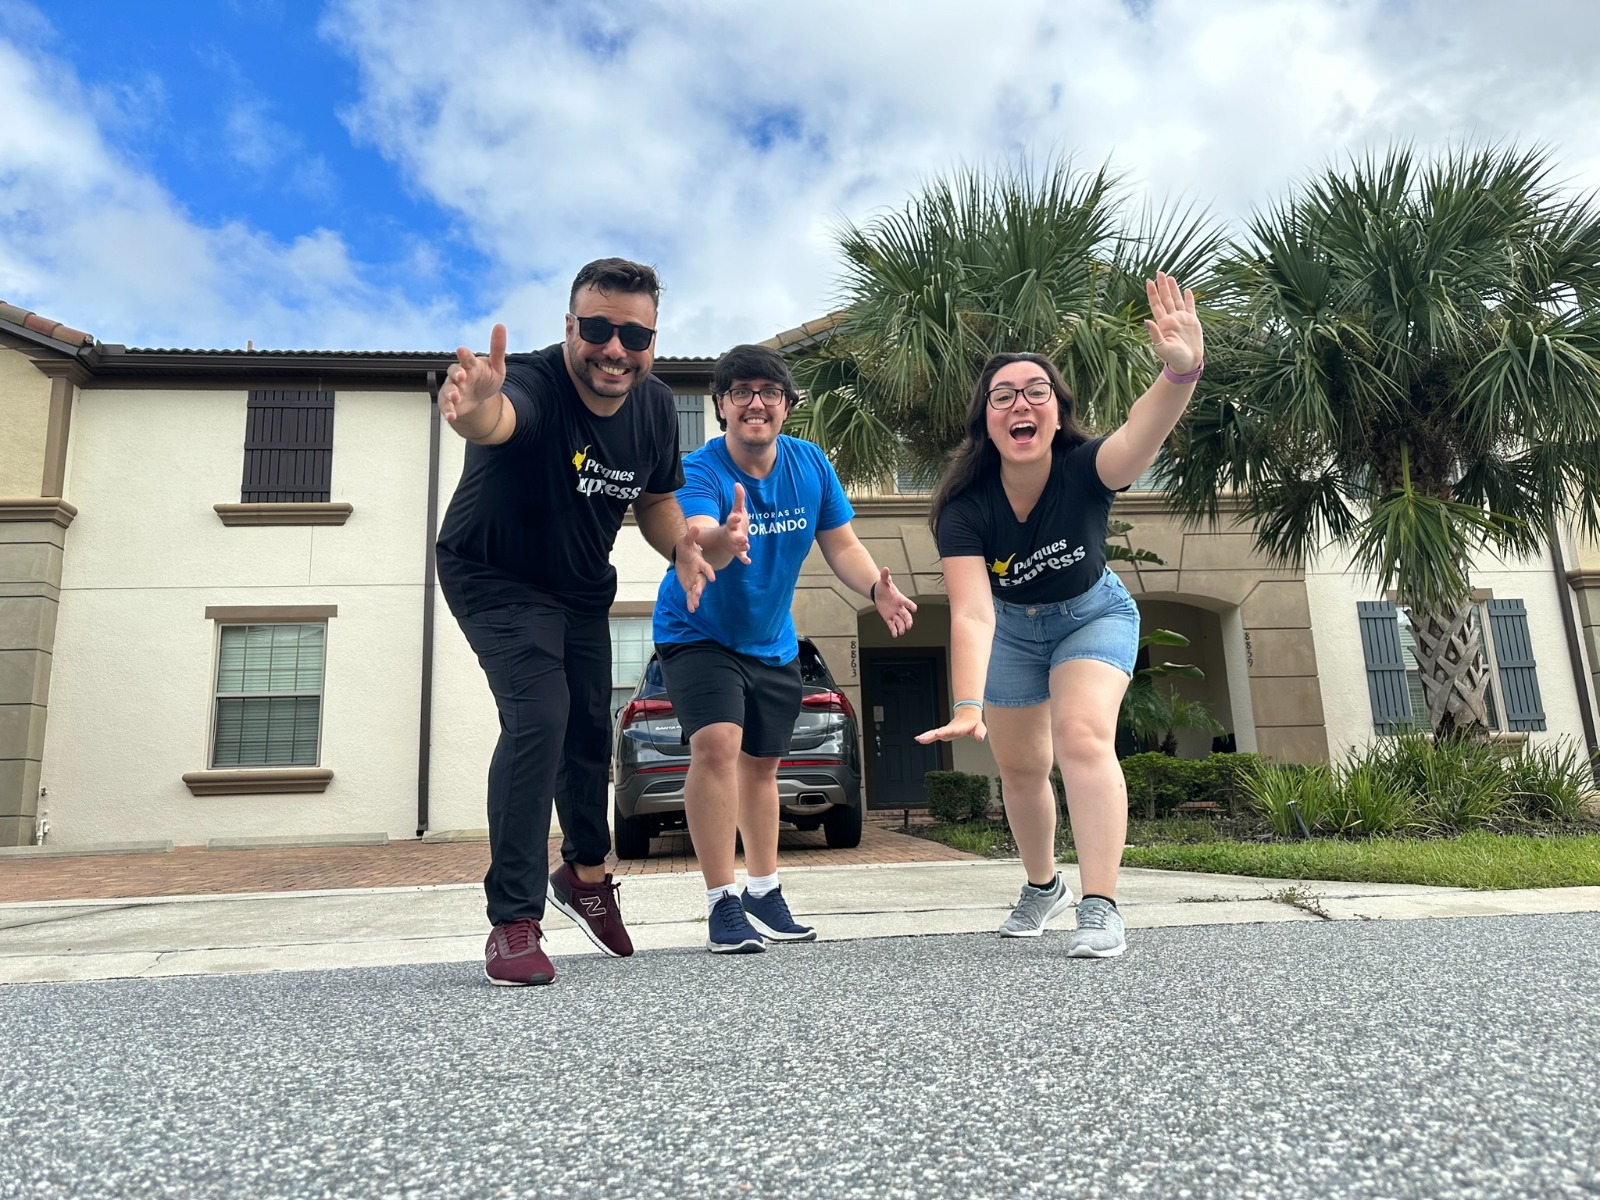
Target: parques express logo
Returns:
[[597, 479], [1054, 557]]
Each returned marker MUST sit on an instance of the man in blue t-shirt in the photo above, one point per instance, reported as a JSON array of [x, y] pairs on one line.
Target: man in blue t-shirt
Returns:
[[755, 502]]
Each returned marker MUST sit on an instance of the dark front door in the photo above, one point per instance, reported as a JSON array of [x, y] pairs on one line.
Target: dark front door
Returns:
[[904, 701]]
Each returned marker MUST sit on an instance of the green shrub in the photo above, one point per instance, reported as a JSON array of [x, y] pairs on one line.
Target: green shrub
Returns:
[[956, 795], [1551, 782], [1158, 783], [1365, 801], [1459, 784], [1276, 791], [1230, 773]]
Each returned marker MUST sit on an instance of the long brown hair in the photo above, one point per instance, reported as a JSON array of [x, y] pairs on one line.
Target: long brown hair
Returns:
[[978, 456]]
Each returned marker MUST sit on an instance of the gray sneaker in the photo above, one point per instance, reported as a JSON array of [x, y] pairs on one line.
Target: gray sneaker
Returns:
[[1099, 932], [1035, 908]]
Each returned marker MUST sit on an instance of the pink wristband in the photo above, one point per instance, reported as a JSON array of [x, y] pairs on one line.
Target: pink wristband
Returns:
[[1173, 377]]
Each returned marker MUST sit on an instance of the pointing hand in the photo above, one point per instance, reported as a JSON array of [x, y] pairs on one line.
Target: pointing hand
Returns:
[[737, 527], [472, 382]]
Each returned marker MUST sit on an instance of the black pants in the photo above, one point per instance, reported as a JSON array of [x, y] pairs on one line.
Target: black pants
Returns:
[[550, 672]]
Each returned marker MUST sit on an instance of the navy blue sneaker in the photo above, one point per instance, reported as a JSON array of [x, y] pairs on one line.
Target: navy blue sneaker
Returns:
[[771, 916], [728, 932]]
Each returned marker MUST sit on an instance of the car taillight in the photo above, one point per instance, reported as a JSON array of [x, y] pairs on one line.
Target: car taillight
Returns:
[[637, 710], [836, 702]]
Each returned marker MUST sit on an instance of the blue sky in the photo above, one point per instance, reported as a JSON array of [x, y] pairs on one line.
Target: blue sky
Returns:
[[398, 174], [235, 109]]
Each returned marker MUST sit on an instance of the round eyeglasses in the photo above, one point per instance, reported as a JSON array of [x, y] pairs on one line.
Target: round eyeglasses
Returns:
[[742, 396], [1034, 393]]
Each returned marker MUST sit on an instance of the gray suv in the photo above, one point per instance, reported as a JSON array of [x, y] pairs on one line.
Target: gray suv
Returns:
[[819, 780]]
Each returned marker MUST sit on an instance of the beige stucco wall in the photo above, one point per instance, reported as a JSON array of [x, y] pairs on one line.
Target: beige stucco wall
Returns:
[[24, 420], [1333, 593], [465, 724], [135, 655]]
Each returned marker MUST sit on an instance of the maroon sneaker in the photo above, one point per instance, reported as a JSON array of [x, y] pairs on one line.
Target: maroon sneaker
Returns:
[[594, 907], [512, 957]]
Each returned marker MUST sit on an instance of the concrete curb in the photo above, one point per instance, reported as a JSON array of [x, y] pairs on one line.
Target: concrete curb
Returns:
[[85, 850], [290, 841]]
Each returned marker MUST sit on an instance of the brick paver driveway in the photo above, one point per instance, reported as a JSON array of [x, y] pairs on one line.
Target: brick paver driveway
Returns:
[[196, 871]]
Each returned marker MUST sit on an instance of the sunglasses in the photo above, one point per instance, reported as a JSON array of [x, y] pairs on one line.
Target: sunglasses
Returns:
[[597, 331]]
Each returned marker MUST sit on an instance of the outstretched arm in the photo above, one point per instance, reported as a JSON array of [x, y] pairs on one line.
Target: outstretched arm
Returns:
[[662, 524], [853, 564], [471, 398], [966, 580], [1175, 336], [724, 542]]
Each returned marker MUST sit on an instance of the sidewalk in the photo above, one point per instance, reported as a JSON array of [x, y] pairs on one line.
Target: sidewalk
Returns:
[[66, 940]]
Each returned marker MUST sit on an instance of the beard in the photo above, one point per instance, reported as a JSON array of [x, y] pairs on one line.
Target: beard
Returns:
[[588, 372]]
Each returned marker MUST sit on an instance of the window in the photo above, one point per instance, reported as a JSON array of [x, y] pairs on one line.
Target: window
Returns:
[[631, 645], [269, 695], [1394, 681], [1408, 646], [288, 448], [691, 424], [916, 481]]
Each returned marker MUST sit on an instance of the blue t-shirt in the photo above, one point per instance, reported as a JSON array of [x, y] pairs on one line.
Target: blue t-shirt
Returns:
[[747, 608]]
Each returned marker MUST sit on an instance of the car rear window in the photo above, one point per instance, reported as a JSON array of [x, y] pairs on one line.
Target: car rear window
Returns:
[[812, 669]]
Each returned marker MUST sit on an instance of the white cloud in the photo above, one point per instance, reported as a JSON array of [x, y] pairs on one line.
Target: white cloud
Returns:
[[552, 153], [725, 141], [91, 240]]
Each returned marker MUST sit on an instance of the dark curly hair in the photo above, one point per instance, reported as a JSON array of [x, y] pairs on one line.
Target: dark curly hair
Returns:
[[616, 275]]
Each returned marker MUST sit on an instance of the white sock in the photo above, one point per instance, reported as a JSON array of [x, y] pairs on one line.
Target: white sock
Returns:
[[717, 893], [760, 885]]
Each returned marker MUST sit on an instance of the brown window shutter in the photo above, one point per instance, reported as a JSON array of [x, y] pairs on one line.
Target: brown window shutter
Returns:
[[288, 447]]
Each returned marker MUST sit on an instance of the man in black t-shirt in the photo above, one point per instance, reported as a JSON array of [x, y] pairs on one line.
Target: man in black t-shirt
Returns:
[[562, 443]]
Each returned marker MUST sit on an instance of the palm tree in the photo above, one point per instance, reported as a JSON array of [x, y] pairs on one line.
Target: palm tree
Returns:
[[1413, 374], [982, 262], [1152, 717]]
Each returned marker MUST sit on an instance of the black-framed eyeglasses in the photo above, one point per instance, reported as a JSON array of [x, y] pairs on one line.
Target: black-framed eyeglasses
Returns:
[[1035, 394], [741, 396], [597, 331]]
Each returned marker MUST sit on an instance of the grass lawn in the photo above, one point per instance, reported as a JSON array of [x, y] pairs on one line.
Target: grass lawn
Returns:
[[1487, 861]]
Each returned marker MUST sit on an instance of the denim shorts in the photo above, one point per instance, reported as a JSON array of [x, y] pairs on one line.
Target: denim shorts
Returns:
[[1030, 639]]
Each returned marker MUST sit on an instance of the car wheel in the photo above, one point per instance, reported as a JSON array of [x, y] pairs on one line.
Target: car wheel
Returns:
[[841, 825], [632, 834]]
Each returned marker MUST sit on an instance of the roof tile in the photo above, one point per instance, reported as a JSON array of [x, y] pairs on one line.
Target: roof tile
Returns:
[[44, 325]]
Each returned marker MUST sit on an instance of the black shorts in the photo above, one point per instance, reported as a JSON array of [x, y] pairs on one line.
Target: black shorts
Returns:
[[708, 683]]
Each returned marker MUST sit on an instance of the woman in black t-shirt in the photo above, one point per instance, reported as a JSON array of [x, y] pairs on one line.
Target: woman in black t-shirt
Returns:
[[1038, 620]]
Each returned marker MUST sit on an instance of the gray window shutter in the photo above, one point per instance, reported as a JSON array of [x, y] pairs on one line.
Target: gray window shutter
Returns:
[[288, 447], [1386, 665], [1513, 655], [691, 422]]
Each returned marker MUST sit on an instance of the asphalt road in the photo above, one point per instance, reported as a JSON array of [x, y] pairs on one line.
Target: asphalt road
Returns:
[[1439, 1058]]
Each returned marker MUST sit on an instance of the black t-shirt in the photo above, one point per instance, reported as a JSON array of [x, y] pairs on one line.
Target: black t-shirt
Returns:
[[1059, 552], [541, 511]]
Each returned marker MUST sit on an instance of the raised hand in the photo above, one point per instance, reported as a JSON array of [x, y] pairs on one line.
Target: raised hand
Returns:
[[693, 571], [737, 527], [1174, 328], [471, 384], [893, 605], [966, 721]]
